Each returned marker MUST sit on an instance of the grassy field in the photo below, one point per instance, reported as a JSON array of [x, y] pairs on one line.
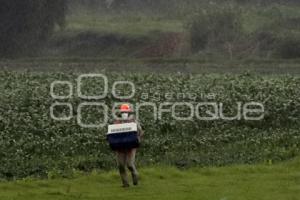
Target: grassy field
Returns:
[[263, 182]]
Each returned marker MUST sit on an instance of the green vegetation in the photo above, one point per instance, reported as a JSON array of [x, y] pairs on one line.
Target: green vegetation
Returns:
[[33, 144], [242, 182]]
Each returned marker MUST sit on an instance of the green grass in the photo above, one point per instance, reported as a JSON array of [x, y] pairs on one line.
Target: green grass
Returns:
[[263, 182]]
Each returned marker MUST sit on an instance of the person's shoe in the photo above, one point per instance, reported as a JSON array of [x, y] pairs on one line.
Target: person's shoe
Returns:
[[135, 179], [125, 185]]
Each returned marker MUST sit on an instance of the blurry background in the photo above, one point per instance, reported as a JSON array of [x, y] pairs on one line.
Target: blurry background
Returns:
[[191, 31]]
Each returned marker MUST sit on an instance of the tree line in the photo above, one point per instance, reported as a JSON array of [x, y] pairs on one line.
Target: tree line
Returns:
[[26, 23]]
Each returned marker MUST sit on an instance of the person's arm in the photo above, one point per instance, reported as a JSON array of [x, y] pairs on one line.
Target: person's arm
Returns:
[[140, 131]]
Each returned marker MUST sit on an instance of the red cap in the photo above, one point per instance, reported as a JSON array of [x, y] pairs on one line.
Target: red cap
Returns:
[[125, 108]]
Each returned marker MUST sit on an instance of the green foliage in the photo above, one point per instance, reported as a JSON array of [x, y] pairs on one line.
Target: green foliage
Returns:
[[31, 143]]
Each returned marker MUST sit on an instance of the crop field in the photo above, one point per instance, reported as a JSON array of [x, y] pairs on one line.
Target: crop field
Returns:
[[33, 143]]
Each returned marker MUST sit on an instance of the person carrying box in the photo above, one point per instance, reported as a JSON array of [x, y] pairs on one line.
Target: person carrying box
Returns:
[[125, 144]]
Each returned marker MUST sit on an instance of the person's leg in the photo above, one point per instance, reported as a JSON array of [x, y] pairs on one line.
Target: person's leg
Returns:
[[121, 158], [130, 160]]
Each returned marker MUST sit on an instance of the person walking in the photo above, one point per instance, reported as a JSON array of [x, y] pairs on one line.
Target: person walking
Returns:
[[126, 156]]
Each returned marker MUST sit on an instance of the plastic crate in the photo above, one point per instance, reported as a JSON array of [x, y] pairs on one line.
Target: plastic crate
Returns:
[[123, 136]]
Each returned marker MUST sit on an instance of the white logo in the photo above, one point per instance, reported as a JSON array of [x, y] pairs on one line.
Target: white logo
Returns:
[[204, 111]]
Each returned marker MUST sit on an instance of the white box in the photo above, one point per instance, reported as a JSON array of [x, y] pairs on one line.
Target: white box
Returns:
[[122, 128]]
